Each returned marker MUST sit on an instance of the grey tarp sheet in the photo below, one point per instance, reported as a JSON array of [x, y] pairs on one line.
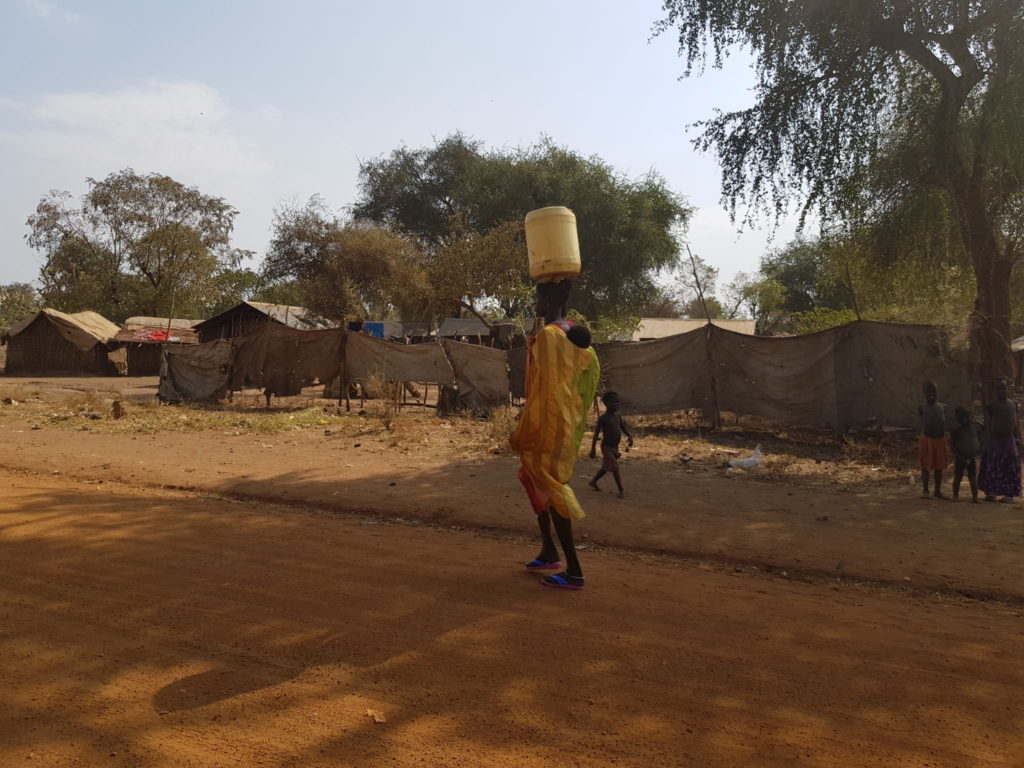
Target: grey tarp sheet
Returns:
[[880, 367], [782, 379], [480, 373], [856, 375], [366, 357], [283, 360], [658, 376], [195, 371]]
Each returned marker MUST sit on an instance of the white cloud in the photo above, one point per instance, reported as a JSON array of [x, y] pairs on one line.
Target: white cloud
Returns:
[[44, 9], [182, 129], [41, 8]]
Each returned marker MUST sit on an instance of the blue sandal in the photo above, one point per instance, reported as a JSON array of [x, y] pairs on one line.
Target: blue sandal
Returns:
[[543, 565], [562, 581]]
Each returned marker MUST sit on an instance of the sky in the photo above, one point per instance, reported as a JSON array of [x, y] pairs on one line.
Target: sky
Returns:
[[264, 103]]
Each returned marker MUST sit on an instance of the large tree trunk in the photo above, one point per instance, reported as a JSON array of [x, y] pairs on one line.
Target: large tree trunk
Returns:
[[990, 321]]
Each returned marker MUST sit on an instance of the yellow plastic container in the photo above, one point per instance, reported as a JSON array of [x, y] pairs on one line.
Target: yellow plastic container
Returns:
[[553, 244]]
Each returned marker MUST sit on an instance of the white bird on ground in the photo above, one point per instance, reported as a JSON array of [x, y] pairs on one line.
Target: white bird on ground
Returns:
[[748, 464]]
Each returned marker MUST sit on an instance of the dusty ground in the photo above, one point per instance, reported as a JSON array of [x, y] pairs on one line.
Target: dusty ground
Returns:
[[157, 609]]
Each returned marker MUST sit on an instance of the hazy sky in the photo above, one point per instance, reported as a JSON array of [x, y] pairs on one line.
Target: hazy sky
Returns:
[[264, 102]]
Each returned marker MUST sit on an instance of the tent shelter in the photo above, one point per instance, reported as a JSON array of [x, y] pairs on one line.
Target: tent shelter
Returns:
[[393, 330], [54, 343], [143, 338], [250, 315], [472, 330], [661, 327]]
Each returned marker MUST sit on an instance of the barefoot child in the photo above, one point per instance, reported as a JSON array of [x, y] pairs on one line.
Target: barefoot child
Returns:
[[612, 426], [1000, 460], [561, 378], [966, 441], [931, 445]]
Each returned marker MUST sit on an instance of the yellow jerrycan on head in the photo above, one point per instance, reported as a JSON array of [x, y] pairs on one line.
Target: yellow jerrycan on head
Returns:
[[552, 244]]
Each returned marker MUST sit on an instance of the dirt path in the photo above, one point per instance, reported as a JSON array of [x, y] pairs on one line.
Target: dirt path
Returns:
[[888, 537], [147, 628]]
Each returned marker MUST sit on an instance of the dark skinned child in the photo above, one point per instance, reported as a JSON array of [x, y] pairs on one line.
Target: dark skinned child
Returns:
[[966, 439], [611, 426], [1000, 458], [931, 445]]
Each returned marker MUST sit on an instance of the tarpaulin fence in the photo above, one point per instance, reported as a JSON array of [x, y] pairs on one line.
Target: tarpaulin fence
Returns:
[[855, 375], [282, 360]]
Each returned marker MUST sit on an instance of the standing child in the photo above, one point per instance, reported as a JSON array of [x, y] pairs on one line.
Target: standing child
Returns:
[[612, 426], [1000, 459], [931, 445], [966, 441]]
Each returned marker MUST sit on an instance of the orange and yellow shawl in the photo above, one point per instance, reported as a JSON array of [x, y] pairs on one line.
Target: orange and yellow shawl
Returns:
[[561, 380]]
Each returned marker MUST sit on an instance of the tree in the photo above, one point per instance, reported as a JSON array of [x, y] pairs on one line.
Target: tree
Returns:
[[17, 300], [663, 303], [695, 308], [343, 270], [913, 101], [438, 194], [134, 245], [697, 282], [799, 268], [476, 271], [761, 298]]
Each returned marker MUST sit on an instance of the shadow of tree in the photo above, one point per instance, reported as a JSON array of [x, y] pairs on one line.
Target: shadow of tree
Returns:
[[154, 629]]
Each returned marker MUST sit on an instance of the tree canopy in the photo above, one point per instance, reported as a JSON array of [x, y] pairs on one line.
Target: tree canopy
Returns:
[[894, 117], [136, 244], [456, 191], [16, 301], [345, 271]]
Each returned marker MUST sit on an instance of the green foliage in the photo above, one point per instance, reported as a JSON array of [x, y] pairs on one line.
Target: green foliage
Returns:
[[899, 123], [606, 328], [821, 319], [626, 226], [762, 299], [799, 269], [17, 300], [663, 303], [698, 310], [135, 245], [344, 271], [484, 273]]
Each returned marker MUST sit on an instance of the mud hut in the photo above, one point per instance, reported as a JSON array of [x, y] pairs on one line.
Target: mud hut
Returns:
[[250, 315], [52, 343], [143, 338]]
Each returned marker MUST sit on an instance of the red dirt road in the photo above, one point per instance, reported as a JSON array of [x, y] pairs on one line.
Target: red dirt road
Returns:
[[891, 537], [149, 628]]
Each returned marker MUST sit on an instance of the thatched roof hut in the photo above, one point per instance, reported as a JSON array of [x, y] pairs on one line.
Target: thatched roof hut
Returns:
[[50, 342], [250, 315], [143, 338]]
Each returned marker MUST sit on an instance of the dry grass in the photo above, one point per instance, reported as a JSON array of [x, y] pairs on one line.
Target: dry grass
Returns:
[[800, 456]]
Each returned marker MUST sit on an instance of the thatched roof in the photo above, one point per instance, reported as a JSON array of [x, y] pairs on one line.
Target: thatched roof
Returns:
[[293, 317], [83, 329], [158, 322]]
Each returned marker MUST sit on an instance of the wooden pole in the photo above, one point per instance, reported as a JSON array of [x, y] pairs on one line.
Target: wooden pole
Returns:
[[708, 330]]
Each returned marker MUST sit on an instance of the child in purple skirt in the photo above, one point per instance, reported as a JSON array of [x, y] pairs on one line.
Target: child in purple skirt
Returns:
[[1000, 461]]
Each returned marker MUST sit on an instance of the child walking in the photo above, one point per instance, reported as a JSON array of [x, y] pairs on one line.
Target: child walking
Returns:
[[1000, 460], [966, 439], [612, 426], [931, 445]]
